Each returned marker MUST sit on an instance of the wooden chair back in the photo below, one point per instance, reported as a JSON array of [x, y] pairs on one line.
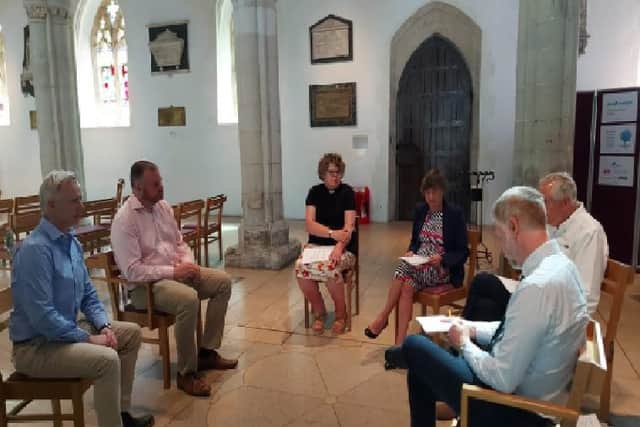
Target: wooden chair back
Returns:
[[616, 278], [6, 209], [191, 213], [119, 190], [589, 374], [473, 238], [24, 223], [26, 389], [26, 204], [101, 211], [212, 227]]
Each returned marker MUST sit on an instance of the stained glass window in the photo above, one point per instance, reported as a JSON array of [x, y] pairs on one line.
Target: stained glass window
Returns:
[[110, 54]]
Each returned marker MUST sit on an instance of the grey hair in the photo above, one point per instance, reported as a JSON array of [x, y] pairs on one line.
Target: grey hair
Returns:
[[563, 186], [51, 185], [525, 203]]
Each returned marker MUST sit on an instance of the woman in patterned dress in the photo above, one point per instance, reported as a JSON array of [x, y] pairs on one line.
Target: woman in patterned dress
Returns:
[[439, 234], [330, 216]]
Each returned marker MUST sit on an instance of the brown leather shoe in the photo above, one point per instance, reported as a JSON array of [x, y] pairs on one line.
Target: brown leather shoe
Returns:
[[193, 384], [210, 359], [444, 412]]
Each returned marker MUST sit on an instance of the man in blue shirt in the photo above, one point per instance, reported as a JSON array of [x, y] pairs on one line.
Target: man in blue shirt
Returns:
[[531, 352], [50, 284]]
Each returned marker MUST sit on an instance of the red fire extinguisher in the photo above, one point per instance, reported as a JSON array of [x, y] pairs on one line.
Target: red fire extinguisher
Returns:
[[363, 205]]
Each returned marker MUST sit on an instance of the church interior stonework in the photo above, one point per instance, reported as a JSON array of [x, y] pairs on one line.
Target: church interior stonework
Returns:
[[185, 184]]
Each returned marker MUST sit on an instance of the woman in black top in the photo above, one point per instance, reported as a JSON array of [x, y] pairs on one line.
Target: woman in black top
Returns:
[[330, 219], [440, 235]]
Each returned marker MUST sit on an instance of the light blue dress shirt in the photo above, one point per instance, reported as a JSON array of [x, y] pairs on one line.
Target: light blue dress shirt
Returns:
[[50, 284], [543, 332]]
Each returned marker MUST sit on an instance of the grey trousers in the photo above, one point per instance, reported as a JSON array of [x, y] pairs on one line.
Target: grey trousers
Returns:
[[112, 371], [182, 300]]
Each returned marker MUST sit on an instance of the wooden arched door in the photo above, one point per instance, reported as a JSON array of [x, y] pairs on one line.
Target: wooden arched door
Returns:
[[433, 123]]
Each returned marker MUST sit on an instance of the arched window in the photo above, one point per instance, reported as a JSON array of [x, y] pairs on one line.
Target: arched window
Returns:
[[226, 64], [110, 54], [4, 93]]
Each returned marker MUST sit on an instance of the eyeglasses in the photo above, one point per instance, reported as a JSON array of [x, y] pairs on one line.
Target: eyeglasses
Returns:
[[334, 172]]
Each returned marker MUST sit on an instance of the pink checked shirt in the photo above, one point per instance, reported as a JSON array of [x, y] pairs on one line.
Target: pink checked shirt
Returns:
[[147, 244]]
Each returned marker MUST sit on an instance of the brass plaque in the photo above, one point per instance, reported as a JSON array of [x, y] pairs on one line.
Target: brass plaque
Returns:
[[33, 119], [172, 116], [332, 105]]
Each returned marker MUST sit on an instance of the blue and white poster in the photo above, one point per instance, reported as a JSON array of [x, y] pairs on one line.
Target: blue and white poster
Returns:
[[616, 171], [620, 107], [618, 139]]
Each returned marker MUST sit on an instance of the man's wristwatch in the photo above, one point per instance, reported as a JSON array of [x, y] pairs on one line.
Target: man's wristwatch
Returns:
[[330, 233], [106, 325]]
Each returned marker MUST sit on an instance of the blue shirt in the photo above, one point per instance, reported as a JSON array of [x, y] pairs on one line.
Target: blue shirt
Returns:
[[50, 284], [544, 329]]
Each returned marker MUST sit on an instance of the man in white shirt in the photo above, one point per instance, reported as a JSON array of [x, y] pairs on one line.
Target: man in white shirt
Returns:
[[580, 236], [531, 352]]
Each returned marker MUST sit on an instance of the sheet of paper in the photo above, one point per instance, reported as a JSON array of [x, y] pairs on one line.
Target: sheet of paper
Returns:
[[433, 324], [316, 254], [510, 284], [415, 260], [590, 420]]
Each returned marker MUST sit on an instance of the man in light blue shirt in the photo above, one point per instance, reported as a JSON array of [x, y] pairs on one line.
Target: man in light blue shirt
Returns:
[[532, 352], [50, 285]]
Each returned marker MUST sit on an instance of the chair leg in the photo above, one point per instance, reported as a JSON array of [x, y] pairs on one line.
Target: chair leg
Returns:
[[3, 413], [357, 289], [78, 408], [220, 242], [163, 336], [348, 289], [57, 412], [205, 243], [397, 321], [605, 395], [199, 327], [306, 313]]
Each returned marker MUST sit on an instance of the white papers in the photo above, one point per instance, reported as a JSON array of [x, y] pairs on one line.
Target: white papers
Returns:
[[620, 107], [316, 254], [510, 284], [616, 171], [433, 324], [590, 420], [415, 260], [618, 139]]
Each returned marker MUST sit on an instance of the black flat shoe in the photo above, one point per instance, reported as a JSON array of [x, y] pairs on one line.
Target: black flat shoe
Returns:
[[394, 358], [372, 335]]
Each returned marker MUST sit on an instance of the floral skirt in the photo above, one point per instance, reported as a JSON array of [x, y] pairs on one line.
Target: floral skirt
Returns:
[[322, 271], [420, 277]]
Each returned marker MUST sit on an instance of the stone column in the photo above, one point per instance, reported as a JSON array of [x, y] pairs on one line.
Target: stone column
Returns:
[[263, 235], [54, 75], [545, 88]]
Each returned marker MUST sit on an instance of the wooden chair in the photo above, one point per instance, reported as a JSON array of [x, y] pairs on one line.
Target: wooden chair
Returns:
[[351, 280], [189, 219], [589, 375], [124, 311], [6, 210], [616, 278], [439, 296], [26, 204], [212, 225], [24, 223], [119, 189], [26, 390], [94, 235]]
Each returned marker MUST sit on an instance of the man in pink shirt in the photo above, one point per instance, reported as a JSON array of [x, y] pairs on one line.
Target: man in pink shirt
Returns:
[[148, 247]]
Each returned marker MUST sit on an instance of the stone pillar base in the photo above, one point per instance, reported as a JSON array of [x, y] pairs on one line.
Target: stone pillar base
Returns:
[[266, 246]]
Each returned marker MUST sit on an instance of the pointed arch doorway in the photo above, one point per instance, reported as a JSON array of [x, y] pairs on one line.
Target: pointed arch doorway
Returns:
[[433, 119]]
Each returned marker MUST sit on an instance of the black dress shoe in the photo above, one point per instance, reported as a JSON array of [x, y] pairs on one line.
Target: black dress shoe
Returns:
[[141, 421], [370, 334], [394, 358]]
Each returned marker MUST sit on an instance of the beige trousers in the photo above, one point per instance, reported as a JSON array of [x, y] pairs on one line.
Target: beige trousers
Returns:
[[112, 371], [182, 300]]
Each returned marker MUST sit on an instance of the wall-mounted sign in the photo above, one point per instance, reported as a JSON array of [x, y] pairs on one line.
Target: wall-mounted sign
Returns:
[[616, 171], [172, 116], [331, 40], [620, 107], [618, 139]]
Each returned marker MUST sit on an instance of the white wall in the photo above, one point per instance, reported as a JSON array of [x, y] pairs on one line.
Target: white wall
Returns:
[[612, 57], [197, 160], [374, 24]]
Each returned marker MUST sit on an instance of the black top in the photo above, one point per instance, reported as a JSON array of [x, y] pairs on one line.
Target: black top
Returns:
[[330, 207]]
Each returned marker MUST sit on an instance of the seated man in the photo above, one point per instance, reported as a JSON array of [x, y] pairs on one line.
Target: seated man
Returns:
[[531, 352], [148, 246], [50, 284], [580, 237]]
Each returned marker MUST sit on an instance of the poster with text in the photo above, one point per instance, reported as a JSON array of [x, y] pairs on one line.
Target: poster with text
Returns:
[[620, 107], [616, 171], [618, 139]]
